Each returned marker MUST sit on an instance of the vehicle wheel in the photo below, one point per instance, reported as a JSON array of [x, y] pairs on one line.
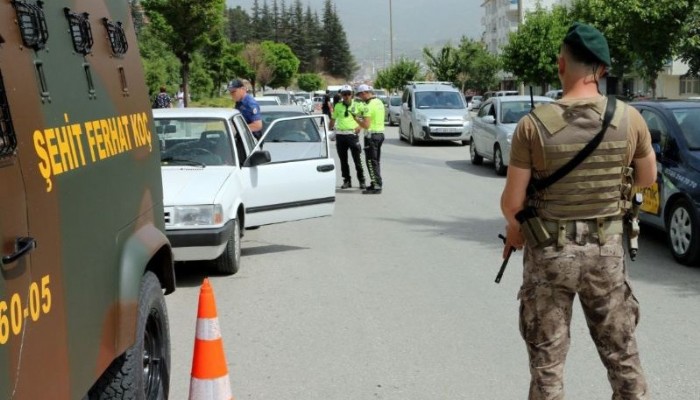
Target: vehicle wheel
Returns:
[[498, 164], [400, 132], [476, 158], [143, 371], [229, 261], [411, 139], [682, 233]]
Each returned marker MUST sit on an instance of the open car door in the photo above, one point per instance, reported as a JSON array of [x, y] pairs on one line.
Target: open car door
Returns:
[[290, 174]]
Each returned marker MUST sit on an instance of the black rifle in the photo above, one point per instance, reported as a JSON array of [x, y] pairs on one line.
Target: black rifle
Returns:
[[505, 261]]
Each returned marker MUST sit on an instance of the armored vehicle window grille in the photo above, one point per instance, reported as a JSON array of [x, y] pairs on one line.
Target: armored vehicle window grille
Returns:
[[117, 37], [32, 23], [8, 140], [80, 31]]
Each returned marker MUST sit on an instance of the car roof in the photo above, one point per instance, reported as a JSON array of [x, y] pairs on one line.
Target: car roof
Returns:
[[508, 99], [195, 112], [668, 103], [287, 107]]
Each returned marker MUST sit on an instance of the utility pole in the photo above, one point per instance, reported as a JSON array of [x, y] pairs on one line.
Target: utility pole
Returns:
[[391, 37]]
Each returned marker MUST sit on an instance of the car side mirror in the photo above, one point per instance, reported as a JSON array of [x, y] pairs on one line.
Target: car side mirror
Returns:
[[257, 158], [489, 119]]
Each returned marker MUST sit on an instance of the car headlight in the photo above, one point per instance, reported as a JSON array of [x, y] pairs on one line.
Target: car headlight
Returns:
[[422, 119], [210, 214]]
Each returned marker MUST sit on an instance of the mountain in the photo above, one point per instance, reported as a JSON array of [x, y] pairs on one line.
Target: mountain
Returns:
[[415, 24]]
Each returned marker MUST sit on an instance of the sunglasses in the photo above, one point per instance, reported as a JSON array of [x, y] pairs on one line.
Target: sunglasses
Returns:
[[345, 93]]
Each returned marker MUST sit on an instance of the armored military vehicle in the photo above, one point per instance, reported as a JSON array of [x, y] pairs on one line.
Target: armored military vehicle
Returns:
[[84, 259]]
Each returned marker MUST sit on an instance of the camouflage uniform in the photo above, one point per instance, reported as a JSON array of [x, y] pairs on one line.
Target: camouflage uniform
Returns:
[[551, 279]]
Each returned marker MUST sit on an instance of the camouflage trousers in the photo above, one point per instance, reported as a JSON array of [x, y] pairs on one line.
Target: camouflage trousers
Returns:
[[551, 279]]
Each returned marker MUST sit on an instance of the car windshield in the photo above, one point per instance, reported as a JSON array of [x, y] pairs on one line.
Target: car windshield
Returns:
[[269, 116], [194, 141], [267, 102], [689, 121], [395, 101], [512, 111], [439, 100]]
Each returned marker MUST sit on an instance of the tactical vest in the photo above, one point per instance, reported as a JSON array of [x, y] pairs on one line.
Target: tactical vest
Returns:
[[598, 187]]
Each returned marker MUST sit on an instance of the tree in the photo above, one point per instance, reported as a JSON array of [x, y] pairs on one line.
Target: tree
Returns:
[[478, 68], [238, 26], [443, 65], [282, 61], [309, 82], [161, 67], [335, 50], [257, 66], [531, 53], [689, 48], [398, 75], [186, 26]]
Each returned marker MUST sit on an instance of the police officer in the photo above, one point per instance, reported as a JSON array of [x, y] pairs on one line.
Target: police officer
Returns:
[[246, 104], [371, 118], [582, 212], [347, 136]]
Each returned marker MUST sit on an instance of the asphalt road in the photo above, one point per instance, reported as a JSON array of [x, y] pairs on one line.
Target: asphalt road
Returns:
[[394, 298]]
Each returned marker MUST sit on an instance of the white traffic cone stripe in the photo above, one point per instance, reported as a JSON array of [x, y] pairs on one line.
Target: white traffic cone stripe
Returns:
[[208, 329], [208, 389]]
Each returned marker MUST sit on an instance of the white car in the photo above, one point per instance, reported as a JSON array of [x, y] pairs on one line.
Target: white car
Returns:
[[493, 127], [218, 180]]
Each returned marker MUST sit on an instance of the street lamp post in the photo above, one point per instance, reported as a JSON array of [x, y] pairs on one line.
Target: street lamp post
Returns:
[[391, 38]]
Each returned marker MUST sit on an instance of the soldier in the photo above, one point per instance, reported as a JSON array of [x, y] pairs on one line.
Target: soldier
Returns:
[[583, 213], [372, 120], [246, 104], [347, 137]]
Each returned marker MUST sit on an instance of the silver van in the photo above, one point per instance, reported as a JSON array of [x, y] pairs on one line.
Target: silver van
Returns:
[[433, 111]]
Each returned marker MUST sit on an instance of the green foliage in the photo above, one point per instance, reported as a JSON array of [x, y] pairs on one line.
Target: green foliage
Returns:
[[161, 67], [444, 65], [478, 68], [689, 47], [335, 49], [283, 62], [531, 53], [309, 82], [398, 75]]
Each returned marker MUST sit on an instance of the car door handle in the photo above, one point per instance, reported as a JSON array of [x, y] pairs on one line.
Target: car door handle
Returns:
[[23, 245], [325, 168]]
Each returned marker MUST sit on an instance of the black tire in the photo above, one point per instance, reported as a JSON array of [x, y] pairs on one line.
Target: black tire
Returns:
[[400, 132], [143, 371], [411, 139], [682, 233], [498, 164], [476, 158], [230, 260]]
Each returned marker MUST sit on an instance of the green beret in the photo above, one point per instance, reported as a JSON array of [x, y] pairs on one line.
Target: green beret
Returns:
[[588, 43]]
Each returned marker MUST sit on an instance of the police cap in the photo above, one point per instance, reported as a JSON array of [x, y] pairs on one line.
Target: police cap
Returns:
[[588, 43]]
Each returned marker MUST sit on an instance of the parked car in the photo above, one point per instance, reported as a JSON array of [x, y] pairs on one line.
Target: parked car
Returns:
[[556, 94], [475, 103], [285, 97], [672, 204], [267, 100], [218, 180], [493, 127], [433, 111], [269, 113], [393, 110]]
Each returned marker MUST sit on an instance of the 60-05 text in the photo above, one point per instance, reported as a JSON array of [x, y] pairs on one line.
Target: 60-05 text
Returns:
[[13, 313]]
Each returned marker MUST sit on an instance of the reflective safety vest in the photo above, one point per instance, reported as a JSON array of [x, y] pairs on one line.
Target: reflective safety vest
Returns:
[[598, 187]]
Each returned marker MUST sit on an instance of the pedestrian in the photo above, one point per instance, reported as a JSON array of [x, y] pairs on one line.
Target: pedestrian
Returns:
[[246, 104], [180, 97], [162, 100], [371, 118], [327, 106], [582, 214], [347, 136]]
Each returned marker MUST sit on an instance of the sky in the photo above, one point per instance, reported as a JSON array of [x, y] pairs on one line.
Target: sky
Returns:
[[416, 24]]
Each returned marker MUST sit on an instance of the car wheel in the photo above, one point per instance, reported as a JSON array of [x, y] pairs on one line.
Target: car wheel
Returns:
[[230, 260], [411, 139], [400, 132], [682, 232], [476, 158], [498, 164], [143, 371]]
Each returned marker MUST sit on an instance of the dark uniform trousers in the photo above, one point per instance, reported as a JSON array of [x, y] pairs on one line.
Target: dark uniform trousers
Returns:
[[552, 277], [343, 143], [373, 153]]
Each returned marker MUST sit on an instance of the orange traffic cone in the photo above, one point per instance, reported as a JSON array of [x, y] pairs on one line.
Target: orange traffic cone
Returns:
[[209, 372]]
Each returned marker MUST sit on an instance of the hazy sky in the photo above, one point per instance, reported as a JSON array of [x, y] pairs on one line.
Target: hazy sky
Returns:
[[416, 23]]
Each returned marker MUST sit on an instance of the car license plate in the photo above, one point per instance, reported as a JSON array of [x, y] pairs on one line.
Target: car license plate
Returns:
[[445, 130]]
